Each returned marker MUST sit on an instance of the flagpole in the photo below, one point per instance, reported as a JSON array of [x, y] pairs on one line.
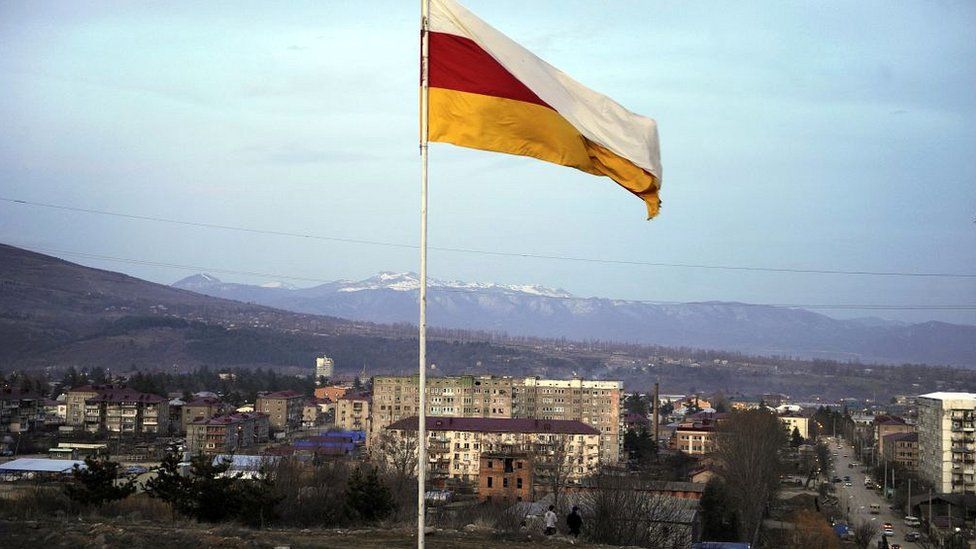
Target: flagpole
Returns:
[[422, 389]]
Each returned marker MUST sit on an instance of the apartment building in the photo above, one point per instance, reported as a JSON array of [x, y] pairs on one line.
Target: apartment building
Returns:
[[888, 425], [227, 434], [200, 408], [352, 412], [455, 445], [594, 403], [75, 401], [20, 411], [284, 409], [902, 449], [947, 441], [324, 369], [696, 435], [800, 423], [126, 411]]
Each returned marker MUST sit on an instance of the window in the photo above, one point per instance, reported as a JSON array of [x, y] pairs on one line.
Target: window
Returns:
[[489, 464], [518, 483], [505, 482], [489, 482]]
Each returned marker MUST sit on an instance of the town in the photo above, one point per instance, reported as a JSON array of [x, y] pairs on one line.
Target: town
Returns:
[[653, 469]]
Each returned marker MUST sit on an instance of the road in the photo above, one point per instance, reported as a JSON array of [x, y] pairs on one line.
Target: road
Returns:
[[856, 499]]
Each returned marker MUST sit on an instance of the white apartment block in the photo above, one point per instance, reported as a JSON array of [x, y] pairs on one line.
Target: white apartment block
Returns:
[[324, 367], [594, 403], [947, 441]]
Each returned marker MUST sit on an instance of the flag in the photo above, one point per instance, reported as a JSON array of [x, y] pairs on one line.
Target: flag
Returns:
[[488, 92]]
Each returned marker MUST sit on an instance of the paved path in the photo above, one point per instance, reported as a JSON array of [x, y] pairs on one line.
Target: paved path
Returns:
[[858, 499]]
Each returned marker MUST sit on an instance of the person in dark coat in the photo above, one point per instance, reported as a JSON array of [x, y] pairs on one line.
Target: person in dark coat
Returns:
[[575, 522]]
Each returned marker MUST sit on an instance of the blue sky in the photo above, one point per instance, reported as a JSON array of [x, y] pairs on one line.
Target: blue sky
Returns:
[[835, 136]]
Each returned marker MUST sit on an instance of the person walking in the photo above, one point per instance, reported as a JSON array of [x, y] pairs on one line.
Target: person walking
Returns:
[[550, 521], [575, 522]]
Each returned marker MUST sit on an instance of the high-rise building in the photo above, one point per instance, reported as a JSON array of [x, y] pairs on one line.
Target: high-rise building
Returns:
[[594, 403], [324, 368], [947, 441]]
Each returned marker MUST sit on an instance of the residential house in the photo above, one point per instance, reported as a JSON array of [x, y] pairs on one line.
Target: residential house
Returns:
[[229, 433]]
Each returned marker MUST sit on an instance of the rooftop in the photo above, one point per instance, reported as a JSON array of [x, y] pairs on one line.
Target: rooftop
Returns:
[[497, 425], [282, 394], [901, 437], [126, 395], [31, 465], [949, 396]]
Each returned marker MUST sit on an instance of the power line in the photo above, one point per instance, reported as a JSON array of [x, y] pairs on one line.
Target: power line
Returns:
[[441, 289], [578, 259]]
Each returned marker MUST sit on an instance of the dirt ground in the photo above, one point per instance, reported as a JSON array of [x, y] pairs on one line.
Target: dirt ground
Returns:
[[72, 533]]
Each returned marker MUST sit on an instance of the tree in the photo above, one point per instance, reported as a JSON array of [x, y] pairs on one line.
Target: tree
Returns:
[[97, 482], [864, 532], [748, 459], [796, 439], [367, 498], [625, 511], [640, 446], [637, 404], [554, 459], [719, 522], [812, 532], [170, 486]]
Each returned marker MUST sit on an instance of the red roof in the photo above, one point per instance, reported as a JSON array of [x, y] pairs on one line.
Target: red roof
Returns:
[[901, 437], [228, 419], [282, 394], [126, 395], [498, 425]]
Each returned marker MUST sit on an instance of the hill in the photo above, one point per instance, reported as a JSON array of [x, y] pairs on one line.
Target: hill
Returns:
[[537, 311]]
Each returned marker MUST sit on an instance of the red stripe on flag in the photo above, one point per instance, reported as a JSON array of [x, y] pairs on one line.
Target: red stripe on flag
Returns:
[[458, 63]]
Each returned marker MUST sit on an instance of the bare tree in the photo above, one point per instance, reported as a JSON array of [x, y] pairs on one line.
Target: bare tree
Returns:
[[555, 458], [624, 510], [864, 532], [748, 459], [397, 453]]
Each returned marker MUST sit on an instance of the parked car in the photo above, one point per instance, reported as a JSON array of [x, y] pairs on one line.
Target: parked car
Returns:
[[913, 536]]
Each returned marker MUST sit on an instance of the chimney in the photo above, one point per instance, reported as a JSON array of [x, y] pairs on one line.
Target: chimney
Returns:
[[657, 417]]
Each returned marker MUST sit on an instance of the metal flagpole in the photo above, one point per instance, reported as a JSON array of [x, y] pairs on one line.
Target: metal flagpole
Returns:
[[422, 405]]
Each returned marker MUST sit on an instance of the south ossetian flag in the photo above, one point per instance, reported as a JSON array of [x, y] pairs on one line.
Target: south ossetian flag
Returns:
[[487, 92]]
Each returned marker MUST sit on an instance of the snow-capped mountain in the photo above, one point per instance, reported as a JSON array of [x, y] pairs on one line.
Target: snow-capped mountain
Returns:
[[408, 282], [539, 311]]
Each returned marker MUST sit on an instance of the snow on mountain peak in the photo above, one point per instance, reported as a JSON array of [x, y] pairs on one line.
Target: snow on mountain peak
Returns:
[[407, 282]]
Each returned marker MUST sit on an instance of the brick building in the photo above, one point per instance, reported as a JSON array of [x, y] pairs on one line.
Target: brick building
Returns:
[[227, 434], [284, 409], [352, 412], [902, 449], [200, 408], [506, 477]]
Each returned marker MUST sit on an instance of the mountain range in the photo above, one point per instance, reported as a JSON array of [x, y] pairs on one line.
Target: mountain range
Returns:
[[529, 310]]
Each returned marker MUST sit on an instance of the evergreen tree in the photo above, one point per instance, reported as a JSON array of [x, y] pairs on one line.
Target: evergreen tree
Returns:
[[170, 486], [97, 483], [718, 517], [367, 498], [796, 439]]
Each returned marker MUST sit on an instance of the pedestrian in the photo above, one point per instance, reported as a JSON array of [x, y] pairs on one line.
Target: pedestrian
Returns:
[[575, 522], [550, 521]]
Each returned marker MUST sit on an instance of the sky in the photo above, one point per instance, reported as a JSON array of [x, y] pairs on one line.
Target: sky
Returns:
[[793, 136]]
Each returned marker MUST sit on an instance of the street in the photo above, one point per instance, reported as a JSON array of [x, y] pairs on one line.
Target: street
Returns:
[[856, 500]]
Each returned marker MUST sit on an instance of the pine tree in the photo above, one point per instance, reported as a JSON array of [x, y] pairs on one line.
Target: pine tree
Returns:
[[367, 498], [97, 483], [796, 438]]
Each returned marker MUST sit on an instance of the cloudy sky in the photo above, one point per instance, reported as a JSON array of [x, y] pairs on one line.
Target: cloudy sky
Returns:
[[835, 137]]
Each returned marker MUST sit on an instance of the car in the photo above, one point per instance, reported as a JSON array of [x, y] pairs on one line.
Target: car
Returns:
[[848, 483], [913, 536], [845, 455], [835, 479], [847, 477], [894, 546], [136, 470]]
